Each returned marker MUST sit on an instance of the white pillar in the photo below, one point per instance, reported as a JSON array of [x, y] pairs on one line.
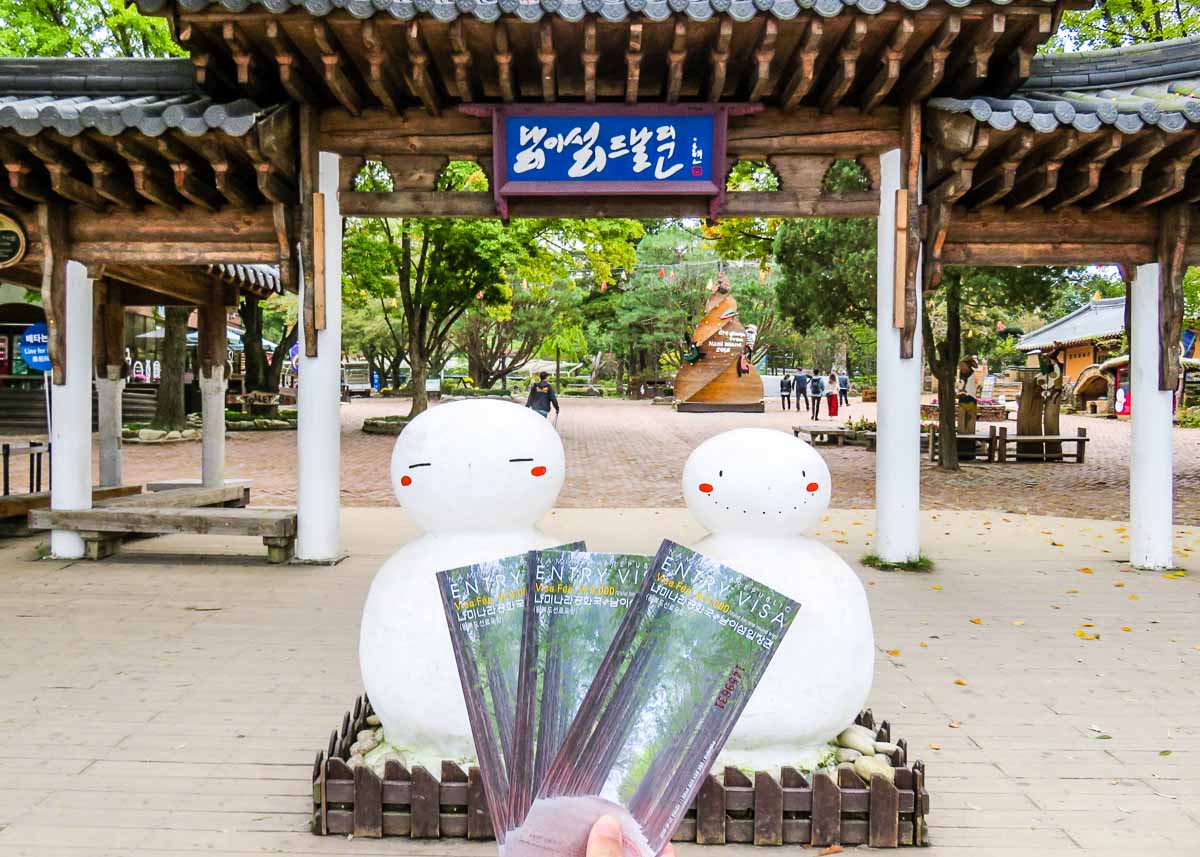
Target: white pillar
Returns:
[[109, 390], [1151, 477], [212, 421], [71, 409], [318, 429], [898, 448]]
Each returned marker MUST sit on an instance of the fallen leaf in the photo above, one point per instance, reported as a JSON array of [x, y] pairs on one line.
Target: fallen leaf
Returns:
[[935, 746], [842, 542], [1086, 625], [1174, 575], [1103, 737], [1119, 584], [1126, 628], [1055, 544], [1072, 592], [1119, 530], [1133, 598], [1087, 570], [955, 724], [895, 653], [832, 849], [925, 645], [937, 588], [976, 621], [1164, 752], [1084, 635], [1018, 622], [960, 682]]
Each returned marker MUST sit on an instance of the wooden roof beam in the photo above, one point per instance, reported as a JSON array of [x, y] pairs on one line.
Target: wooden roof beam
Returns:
[[807, 54], [1081, 176], [847, 67], [975, 53], [245, 58], [1021, 58], [60, 164], [1170, 177], [893, 60], [381, 65], [108, 171], [719, 60], [190, 286], [928, 74], [149, 178], [186, 169], [676, 57], [207, 59], [420, 79], [1128, 166], [293, 71], [547, 57], [337, 69], [764, 54], [590, 56], [461, 52], [24, 179], [633, 63], [1038, 176], [504, 58], [999, 178], [231, 175]]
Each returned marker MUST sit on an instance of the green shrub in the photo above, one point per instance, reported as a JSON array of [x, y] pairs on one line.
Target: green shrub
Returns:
[[1189, 417]]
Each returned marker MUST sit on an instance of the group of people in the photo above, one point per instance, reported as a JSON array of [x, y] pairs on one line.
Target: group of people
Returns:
[[814, 386]]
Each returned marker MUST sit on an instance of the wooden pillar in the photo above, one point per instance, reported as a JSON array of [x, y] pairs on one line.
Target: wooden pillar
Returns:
[[212, 350], [109, 350], [52, 224]]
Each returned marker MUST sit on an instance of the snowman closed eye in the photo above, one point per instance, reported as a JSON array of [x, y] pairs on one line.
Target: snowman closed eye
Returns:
[[756, 481]]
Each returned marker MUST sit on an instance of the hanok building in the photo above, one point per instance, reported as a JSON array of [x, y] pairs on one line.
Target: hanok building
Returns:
[[977, 152], [1079, 342]]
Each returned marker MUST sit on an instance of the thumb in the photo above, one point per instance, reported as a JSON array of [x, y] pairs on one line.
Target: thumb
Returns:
[[605, 838]]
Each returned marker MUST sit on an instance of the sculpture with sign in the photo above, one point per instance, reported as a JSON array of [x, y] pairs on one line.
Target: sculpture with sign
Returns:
[[718, 372]]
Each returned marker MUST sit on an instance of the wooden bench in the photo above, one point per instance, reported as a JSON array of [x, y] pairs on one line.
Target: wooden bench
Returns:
[[980, 444], [1051, 446], [103, 528], [15, 508]]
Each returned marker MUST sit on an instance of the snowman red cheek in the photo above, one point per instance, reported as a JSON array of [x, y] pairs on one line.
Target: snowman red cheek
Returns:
[[813, 486], [538, 471], [706, 488], [406, 481]]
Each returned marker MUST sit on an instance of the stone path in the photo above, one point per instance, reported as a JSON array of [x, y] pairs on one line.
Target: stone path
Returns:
[[165, 708], [625, 453]]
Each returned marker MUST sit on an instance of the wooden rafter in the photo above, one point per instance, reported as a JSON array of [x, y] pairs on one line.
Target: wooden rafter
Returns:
[[150, 179], [462, 61], [293, 71], [1037, 176], [108, 171], [504, 60], [60, 164], [24, 178], [1082, 172], [975, 56], [676, 57], [589, 56], [998, 178], [764, 53], [719, 60], [245, 59], [420, 78], [381, 65], [188, 170], [337, 68], [633, 63], [808, 53], [893, 59], [547, 58], [1167, 176], [1123, 177], [845, 71], [1021, 57], [928, 74]]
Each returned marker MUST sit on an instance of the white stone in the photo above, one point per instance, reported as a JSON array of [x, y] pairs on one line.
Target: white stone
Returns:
[[854, 740], [886, 747], [174, 435], [470, 474], [845, 754], [151, 435], [757, 491], [868, 766]]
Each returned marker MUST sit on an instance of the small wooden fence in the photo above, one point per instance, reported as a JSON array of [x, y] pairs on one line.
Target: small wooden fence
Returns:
[[791, 809]]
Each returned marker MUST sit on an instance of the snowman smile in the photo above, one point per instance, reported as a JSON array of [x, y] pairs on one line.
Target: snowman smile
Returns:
[[708, 489]]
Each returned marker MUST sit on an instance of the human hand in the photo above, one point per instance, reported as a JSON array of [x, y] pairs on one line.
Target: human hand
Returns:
[[605, 839]]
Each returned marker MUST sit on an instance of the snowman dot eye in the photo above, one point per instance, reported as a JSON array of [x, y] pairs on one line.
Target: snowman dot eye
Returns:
[[720, 472]]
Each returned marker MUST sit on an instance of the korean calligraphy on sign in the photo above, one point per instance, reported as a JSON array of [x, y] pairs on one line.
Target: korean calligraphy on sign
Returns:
[[644, 149]]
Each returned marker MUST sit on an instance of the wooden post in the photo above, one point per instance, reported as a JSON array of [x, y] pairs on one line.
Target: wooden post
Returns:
[[52, 224], [108, 333], [826, 810], [309, 148], [908, 226], [212, 350], [710, 813], [1174, 226], [768, 810], [1081, 446]]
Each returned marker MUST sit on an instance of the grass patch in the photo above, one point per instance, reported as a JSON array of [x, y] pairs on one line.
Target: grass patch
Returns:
[[921, 563]]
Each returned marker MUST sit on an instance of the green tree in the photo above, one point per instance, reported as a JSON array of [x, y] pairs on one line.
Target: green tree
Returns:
[[438, 269], [274, 318], [169, 412], [1117, 23], [81, 28]]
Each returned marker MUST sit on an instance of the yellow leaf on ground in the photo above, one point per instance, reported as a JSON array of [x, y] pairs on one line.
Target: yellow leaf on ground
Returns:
[[1018, 622], [976, 621], [1133, 598], [1072, 592], [1055, 544], [895, 653], [937, 588], [842, 542], [1119, 584], [1119, 530], [955, 724], [925, 645], [960, 682], [935, 746], [1087, 625], [1084, 635], [1126, 628], [1087, 570]]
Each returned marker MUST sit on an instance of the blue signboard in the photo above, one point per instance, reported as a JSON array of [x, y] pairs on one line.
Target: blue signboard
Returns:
[[630, 148], [35, 347]]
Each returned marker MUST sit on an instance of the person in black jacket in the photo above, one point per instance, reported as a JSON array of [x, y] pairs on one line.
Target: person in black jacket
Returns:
[[541, 396], [785, 391]]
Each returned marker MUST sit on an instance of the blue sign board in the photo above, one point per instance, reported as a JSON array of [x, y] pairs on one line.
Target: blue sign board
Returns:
[[637, 148], [35, 347]]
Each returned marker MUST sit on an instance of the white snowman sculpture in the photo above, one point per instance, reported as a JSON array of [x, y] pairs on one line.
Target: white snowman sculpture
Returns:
[[475, 476], [757, 491]]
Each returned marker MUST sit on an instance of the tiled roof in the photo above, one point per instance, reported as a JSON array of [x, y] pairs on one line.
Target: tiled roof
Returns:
[[113, 95], [262, 278], [570, 10], [1126, 88], [1093, 320]]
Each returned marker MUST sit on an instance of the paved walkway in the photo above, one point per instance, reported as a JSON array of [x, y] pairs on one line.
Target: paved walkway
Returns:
[[157, 707], [630, 454]]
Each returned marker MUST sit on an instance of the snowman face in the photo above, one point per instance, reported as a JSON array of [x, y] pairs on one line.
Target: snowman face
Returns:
[[483, 465], [756, 481]]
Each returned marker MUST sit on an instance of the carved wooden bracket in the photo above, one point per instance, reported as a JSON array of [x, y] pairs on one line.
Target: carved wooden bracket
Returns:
[[1174, 224]]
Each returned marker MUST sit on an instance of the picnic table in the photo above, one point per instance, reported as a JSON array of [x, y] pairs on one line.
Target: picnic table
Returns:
[[994, 446]]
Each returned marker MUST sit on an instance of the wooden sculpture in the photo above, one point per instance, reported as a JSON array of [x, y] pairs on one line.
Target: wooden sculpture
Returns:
[[717, 373]]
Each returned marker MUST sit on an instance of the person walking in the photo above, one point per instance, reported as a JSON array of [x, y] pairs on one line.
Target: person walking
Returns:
[[844, 388], [541, 396], [801, 387], [785, 392], [816, 391], [831, 393]]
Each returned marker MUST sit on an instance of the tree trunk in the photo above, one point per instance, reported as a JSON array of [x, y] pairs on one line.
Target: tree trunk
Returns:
[[169, 411], [947, 425], [250, 311], [943, 362], [419, 362], [273, 371]]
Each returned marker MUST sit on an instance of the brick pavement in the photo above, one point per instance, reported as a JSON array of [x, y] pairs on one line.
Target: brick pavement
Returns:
[[624, 453], [157, 708]]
